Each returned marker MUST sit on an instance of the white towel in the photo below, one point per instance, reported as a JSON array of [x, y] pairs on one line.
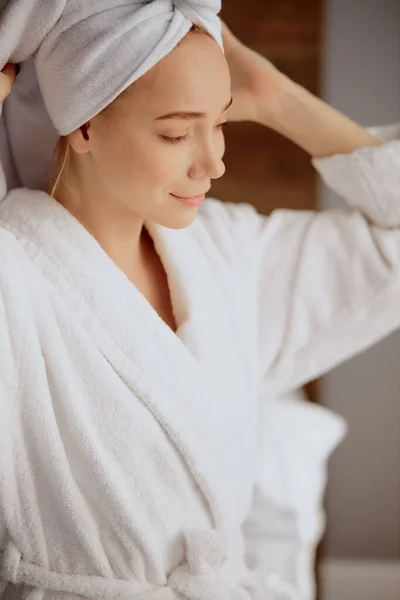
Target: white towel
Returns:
[[78, 56]]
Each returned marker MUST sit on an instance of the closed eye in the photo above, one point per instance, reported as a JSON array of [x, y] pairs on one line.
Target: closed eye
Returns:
[[183, 138]]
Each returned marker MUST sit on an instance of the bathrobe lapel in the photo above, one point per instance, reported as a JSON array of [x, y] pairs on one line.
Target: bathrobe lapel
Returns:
[[182, 379]]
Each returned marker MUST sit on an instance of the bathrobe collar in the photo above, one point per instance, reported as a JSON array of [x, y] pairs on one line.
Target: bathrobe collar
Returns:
[[182, 378]]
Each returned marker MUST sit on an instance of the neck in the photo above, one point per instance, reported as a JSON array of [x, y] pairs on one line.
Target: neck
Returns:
[[118, 230]]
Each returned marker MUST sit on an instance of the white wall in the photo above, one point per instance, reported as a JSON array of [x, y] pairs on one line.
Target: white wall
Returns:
[[362, 78]]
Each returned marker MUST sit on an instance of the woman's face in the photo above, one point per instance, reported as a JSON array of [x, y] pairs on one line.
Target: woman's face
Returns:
[[162, 142]]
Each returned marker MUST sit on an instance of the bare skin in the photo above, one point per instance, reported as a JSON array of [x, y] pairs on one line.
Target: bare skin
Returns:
[[265, 95], [130, 169], [7, 80]]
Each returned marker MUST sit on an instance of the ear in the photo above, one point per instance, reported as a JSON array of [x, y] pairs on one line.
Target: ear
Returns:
[[80, 139]]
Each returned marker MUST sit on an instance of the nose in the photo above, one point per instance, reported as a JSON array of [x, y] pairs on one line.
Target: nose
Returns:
[[208, 164]]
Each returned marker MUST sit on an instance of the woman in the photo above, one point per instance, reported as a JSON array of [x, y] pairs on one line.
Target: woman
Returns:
[[131, 414]]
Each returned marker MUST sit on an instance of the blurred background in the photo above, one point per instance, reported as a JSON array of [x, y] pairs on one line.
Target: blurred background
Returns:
[[348, 52]]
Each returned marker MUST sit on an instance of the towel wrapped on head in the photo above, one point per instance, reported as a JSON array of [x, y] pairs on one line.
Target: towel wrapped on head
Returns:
[[78, 56]]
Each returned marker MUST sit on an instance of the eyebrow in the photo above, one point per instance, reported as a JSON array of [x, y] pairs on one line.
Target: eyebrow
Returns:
[[189, 115]]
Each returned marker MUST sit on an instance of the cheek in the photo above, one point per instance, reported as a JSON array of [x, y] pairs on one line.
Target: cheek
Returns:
[[167, 163], [146, 162]]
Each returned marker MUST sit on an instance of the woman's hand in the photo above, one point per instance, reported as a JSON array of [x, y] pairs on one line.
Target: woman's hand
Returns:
[[256, 83], [7, 80]]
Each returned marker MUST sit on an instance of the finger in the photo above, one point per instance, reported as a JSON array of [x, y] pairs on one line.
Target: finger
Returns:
[[10, 72], [229, 39], [226, 32], [7, 80]]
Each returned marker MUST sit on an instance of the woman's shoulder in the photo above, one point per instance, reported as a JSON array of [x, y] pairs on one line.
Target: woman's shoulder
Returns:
[[11, 252], [15, 312], [13, 265], [230, 227], [227, 214]]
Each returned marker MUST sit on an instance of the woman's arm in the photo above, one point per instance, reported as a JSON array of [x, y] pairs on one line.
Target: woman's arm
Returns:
[[265, 95], [328, 283], [319, 129]]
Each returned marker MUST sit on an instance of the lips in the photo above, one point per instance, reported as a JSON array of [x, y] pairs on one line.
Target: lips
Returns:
[[190, 200], [189, 197]]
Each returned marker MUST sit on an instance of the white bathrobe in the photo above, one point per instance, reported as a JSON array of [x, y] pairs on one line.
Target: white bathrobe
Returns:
[[140, 464]]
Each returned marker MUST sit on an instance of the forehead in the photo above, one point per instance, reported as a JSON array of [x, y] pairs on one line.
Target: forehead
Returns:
[[193, 77]]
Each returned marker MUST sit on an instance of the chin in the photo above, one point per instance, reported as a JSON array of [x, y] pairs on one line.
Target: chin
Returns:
[[178, 220]]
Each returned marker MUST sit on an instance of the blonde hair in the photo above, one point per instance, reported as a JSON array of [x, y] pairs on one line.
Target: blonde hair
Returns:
[[61, 162], [63, 154]]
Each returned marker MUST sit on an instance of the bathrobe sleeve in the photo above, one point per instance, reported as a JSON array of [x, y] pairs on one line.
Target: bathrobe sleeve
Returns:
[[328, 282], [328, 286], [286, 522]]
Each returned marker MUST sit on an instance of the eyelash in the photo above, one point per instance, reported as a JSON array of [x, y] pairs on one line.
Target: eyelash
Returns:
[[182, 138]]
